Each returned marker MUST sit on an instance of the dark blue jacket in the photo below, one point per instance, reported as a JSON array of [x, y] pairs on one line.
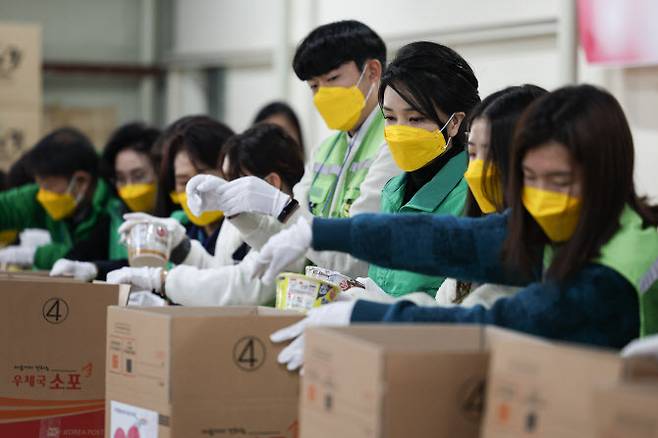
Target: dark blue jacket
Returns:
[[597, 306]]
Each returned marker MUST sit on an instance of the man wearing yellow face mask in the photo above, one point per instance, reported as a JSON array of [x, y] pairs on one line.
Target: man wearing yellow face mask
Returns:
[[128, 163], [69, 200], [342, 64]]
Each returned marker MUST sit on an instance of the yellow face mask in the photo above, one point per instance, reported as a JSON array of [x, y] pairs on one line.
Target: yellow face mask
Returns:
[[8, 237], [206, 218], [341, 107], [139, 197], [412, 148], [556, 213], [477, 180], [58, 205]]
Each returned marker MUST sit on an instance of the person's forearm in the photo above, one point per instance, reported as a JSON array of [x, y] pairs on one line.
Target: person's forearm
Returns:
[[599, 307], [464, 248]]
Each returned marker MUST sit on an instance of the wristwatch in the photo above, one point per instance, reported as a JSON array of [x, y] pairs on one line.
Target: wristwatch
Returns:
[[288, 210]]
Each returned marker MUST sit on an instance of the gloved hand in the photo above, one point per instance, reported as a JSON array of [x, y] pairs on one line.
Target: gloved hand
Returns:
[[174, 227], [281, 250], [84, 271], [336, 314], [647, 346], [201, 191], [18, 255], [145, 278], [248, 194], [35, 237]]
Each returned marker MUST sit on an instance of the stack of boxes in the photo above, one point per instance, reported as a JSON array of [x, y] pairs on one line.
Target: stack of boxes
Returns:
[[20, 90]]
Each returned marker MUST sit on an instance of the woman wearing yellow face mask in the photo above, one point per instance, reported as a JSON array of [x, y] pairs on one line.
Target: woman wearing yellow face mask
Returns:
[[577, 238], [425, 94], [261, 152], [128, 164], [491, 126]]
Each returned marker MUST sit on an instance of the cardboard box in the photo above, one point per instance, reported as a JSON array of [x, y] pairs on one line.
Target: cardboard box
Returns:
[[20, 66], [175, 372], [546, 390], [19, 131], [396, 380], [52, 356], [628, 410]]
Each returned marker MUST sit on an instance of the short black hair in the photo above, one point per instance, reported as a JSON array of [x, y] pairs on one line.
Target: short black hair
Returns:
[[19, 173], [136, 136], [281, 108], [261, 150], [62, 153], [431, 77], [331, 45]]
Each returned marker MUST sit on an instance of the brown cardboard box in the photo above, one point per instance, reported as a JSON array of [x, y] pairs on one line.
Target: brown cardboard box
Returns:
[[396, 381], [185, 372], [546, 390], [19, 131], [20, 66], [52, 356], [628, 410]]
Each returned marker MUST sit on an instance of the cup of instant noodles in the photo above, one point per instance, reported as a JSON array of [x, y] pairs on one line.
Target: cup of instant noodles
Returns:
[[148, 244], [302, 293], [342, 281]]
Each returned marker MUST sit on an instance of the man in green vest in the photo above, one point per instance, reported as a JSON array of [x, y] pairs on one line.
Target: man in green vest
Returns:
[[69, 200], [342, 64]]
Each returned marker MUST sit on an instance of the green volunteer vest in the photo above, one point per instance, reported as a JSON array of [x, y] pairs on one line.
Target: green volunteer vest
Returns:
[[443, 194], [328, 166], [633, 253]]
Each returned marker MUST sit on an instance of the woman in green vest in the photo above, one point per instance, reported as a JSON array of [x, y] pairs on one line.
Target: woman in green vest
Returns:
[[576, 237], [425, 94]]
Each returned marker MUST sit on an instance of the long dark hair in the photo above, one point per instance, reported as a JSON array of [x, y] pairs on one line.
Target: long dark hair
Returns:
[[202, 138], [501, 110], [261, 150], [591, 124], [429, 77]]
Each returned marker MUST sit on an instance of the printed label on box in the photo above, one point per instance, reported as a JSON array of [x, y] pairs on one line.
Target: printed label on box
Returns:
[[128, 421]]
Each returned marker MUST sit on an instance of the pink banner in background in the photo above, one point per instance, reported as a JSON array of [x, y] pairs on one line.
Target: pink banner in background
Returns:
[[619, 32]]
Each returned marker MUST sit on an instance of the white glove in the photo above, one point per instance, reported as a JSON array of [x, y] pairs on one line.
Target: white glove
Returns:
[[146, 278], [336, 314], [18, 255], [248, 194], [281, 250], [84, 271], [176, 230], [647, 346], [202, 193], [34, 237]]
